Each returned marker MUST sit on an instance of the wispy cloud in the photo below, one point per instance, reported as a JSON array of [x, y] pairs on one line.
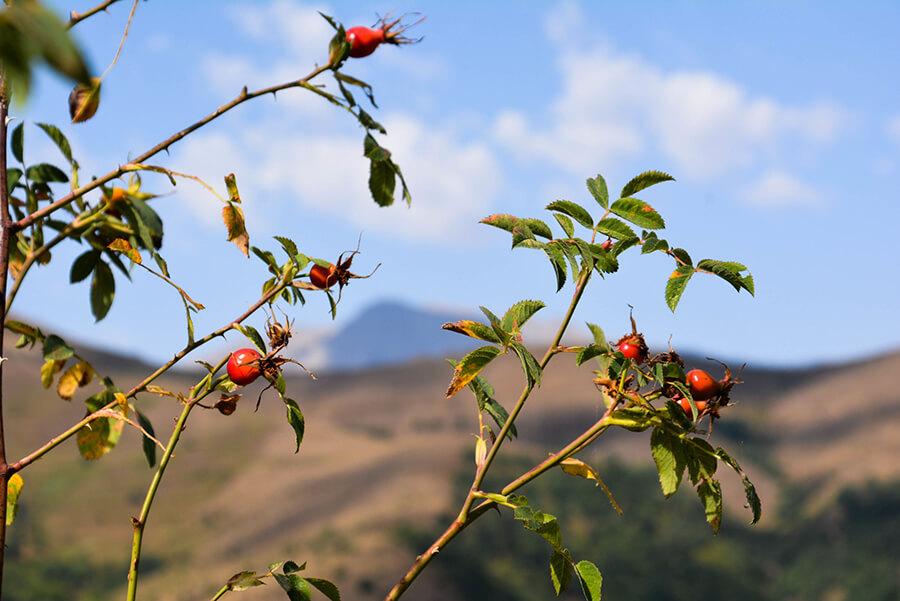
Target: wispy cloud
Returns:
[[614, 106], [777, 189]]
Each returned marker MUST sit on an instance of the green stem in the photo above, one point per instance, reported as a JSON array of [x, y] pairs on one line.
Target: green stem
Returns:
[[465, 517], [140, 522], [220, 593]]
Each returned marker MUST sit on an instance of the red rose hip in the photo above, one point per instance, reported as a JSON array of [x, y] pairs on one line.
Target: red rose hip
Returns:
[[364, 40], [243, 366], [323, 277], [703, 386]]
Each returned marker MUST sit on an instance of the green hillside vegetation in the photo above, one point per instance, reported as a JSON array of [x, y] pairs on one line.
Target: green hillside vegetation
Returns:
[[661, 550]]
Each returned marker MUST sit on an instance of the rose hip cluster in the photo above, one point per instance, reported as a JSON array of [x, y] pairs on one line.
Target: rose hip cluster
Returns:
[[707, 393]]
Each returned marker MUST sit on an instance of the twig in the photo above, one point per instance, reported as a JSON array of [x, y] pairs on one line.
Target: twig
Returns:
[[76, 18], [122, 41]]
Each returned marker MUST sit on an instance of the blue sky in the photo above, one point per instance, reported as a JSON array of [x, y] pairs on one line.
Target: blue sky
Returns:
[[781, 123]]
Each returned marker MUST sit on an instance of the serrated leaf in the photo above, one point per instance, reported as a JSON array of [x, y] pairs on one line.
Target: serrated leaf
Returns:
[[645, 180], [289, 246], [502, 221], [77, 376], [560, 571], [676, 284], [668, 456], [295, 420], [45, 173], [573, 210], [558, 262], [590, 578], [326, 587], [103, 290], [615, 228], [470, 366], [517, 315], [538, 227], [530, 366], [710, 493], [56, 349], [682, 256], [638, 212], [13, 490], [730, 271], [599, 336], [496, 325], [597, 187], [243, 581], [236, 228], [589, 352], [473, 329], [521, 233], [565, 223]]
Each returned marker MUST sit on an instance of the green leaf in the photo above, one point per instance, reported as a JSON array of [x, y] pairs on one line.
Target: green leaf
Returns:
[[101, 435], [148, 446], [676, 284], [682, 255], [253, 335], [12, 178], [530, 365], [638, 212], [516, 316], [504, 221], [560, 571], [645, 180], [56, 349], [573, 210], [326, 587], [496, 325], [589, 352], [366, 88], [382, 182], [17, 142], [565, 223], [599, 336], [753, 501], [472, 329], [558, 262], [710, 493], [591, 580], [543, 524], [538, 227], [288, 245], [103, 290], [668, 455], [45, 173], [296, 587], [730, 271], [484, 396], [231, 185], [615, 228], [296, 420], [243, 581], [59, 138], [597, 187], [521, 234], [653, 243], [13, 490], [470, 366]]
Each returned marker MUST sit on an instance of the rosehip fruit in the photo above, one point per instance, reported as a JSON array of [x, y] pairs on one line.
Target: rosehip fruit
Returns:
[[703, 386], [364, 40], [633, 347], [323, 277], [607, 244], [686, 405], [243, 366]]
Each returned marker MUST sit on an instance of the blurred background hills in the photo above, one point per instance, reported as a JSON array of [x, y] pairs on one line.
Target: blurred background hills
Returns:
[[383, 465]]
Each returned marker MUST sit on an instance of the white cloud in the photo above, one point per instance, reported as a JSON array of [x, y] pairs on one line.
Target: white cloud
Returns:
[[613, 106], [453, 181], [308, 155], [777, 189]]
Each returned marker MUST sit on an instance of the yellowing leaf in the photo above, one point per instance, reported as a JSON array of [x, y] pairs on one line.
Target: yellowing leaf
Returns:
[[576, 467], [13, 490], [98, 437], [77, 376], [480, 451], [49, 369], [470, 366], [233, 217], [123, 246]]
